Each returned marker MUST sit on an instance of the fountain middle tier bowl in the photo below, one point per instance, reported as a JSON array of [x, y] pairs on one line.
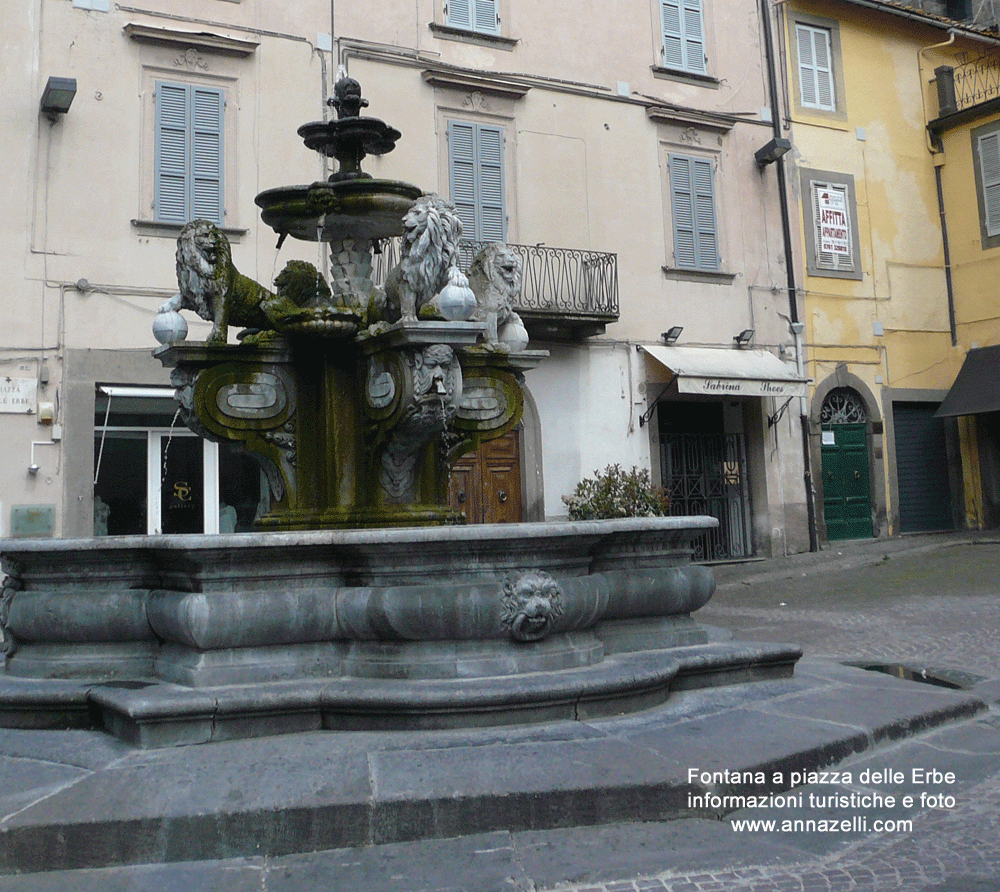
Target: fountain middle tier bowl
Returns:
[[363, 209]]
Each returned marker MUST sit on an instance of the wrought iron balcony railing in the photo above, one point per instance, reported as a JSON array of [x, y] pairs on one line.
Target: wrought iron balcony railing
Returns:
[[974, 81], [565, 292]]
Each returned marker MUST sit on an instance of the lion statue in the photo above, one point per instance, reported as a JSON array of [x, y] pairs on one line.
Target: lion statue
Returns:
[[431, 233], [212, 287], [495, 279]]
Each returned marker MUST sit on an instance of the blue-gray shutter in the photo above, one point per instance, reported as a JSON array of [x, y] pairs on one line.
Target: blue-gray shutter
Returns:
[[172, 160], [704, 206], [188, 166], [459, 14], [683, 35], [207, 114], [989, 168], [462, 172], [492, 213], [473, 15], [692, 201], [476, 172]]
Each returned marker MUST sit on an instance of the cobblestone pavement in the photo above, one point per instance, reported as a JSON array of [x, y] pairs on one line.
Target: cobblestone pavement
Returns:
[[932, 608]]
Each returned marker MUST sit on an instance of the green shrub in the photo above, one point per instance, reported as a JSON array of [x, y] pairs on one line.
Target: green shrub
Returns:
[[617, 493]]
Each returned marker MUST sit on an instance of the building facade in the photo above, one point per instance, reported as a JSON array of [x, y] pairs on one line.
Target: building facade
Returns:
[[621, 168], [888, 312]]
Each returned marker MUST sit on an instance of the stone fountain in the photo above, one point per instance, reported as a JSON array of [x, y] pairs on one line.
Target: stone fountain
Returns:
[[363, 601]]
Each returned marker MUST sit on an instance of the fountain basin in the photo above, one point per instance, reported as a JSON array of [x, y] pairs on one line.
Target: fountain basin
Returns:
[[360, 209]]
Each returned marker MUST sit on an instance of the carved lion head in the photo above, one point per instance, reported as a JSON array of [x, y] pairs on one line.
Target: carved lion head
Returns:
[[500, 267], [204, 260], [532, 601]]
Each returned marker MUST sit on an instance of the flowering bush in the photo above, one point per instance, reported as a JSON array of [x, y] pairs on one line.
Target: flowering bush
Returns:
[[617, 493]]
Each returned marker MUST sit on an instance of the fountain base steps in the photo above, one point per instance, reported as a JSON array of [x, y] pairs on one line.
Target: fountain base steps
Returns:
[[152, 712], [80, 799]]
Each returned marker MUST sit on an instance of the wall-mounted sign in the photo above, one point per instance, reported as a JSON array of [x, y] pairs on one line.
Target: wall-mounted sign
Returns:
[[741, 387], [834, 228], [829, 438], [18, 395]]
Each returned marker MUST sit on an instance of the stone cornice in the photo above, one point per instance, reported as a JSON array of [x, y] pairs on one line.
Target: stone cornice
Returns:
[[203, 40], [691, 117], [453, 79]]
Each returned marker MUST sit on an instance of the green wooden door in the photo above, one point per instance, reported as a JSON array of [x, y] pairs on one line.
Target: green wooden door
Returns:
[[847, 507]]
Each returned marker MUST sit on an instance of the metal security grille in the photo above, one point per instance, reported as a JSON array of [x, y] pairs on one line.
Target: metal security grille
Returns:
[[707, 474]]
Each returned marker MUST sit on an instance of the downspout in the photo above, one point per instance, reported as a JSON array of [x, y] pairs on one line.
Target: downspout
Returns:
[[786, 233], [937, 153]]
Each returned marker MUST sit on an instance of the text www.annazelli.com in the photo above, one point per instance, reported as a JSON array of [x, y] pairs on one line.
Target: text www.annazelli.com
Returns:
[[855, 824]]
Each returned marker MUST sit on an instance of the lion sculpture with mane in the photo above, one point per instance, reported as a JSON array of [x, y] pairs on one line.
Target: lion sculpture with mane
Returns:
[[211, 286], [429, 249], [495, 278]]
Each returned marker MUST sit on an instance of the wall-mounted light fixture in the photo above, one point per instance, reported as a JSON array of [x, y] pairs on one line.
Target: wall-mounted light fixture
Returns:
[[58, 96], [771, 152], [744, 338], [671, 335]]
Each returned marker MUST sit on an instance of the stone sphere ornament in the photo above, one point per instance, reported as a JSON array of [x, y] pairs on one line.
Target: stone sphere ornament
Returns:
[[456, 301], [169, 326], [514, 335]]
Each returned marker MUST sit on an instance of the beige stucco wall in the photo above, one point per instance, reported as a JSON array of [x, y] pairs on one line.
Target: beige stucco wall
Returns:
[[586, 170]]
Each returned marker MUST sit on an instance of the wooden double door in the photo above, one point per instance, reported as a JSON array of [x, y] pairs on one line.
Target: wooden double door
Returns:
[[486, 484]]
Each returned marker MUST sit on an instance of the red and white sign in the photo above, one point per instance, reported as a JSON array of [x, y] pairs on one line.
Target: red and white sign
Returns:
[[834, 229]]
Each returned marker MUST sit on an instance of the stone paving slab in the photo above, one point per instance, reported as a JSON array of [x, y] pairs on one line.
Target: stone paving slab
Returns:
[[277, 796]]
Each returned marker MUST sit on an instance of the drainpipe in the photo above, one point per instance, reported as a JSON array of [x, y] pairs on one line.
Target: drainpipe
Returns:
[[793, 311]]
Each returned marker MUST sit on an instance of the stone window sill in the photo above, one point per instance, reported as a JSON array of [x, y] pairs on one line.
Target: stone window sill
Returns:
[[496, 41], [685, 77], [157, 229], [698, 275]]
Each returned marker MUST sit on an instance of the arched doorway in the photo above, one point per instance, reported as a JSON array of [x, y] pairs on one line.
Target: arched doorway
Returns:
[[847, 498]]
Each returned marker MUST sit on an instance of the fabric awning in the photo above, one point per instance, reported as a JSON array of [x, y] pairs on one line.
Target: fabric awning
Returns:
[[728, 372], [977, 387]]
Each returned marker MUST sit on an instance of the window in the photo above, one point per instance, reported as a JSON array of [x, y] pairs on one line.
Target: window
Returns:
[[473, 15], [152, 475], [692, 204], [816, 83], [683, 35], [188, 169], [986, 162], [830, 216], [476, 174]]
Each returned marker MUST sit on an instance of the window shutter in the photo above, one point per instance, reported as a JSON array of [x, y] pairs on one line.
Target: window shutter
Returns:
[[692, 200], [673, 37], [682, 206], [486, 19], [189, 153], [462, 168], [989, 166], [475, 162], [694, 40], [830, 259], [683, 35], [815, 68], [704, 214], [460, 14], [492, 216], [207, 106], [171, 162]]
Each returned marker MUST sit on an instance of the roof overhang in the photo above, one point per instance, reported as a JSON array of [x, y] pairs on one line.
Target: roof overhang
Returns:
[[977, 388], [712, 371]]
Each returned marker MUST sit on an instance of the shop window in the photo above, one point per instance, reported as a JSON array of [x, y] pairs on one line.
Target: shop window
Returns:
[[152, 475]]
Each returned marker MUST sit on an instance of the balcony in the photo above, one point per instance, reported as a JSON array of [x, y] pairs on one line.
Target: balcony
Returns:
[[567, 294]]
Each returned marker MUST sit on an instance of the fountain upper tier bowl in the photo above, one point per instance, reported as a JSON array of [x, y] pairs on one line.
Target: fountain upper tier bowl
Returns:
[[362, 208]]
